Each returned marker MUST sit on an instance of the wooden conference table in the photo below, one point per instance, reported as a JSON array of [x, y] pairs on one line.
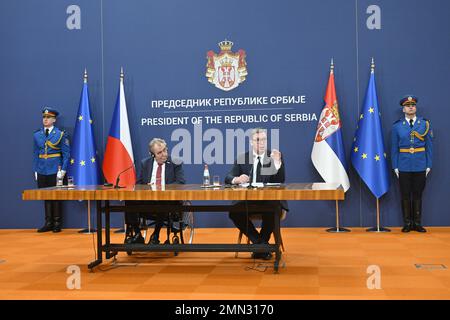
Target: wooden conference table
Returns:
[[193, 192]]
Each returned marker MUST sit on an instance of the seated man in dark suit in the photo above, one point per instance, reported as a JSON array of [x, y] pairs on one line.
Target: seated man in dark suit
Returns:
[[258, 165], [157, 170]]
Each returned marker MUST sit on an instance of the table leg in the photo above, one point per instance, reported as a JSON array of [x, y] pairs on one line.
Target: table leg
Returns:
[[99, 236], [277, 236], [107, 229]]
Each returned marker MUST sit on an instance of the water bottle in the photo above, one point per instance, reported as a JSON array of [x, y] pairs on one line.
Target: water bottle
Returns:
[[59, 181], [206, 177]]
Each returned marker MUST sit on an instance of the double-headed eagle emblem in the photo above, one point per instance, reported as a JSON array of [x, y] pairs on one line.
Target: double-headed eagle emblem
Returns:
[[227, 69]]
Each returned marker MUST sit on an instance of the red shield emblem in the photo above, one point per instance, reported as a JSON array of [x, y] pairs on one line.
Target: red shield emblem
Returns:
[[328, 123], [227, 76]]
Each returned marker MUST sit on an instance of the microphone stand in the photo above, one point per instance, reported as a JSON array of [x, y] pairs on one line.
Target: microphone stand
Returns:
[[118, 177]]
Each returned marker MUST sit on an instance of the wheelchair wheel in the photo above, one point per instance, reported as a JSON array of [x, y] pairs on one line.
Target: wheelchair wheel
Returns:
[[187, 227], [175, 240], [144, 228]]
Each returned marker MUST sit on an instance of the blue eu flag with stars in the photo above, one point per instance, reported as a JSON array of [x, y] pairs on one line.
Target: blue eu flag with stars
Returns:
[[83, 165], [368, 154]]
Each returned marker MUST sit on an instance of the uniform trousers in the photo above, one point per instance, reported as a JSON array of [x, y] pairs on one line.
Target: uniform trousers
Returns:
[[412, 185], [52, 207]]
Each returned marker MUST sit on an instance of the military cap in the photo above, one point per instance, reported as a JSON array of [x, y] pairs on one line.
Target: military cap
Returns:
[[408, 100], [50, 112]]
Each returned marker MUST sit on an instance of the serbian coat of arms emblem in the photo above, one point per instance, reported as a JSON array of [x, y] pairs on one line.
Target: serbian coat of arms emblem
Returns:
[[329, 122], [227, 69]]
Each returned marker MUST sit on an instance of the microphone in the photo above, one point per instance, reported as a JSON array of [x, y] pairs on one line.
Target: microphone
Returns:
[[250, 180], [116, 186]]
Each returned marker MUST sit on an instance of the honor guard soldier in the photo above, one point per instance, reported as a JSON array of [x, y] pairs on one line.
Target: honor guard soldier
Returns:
[[412, 161], [50, 160]]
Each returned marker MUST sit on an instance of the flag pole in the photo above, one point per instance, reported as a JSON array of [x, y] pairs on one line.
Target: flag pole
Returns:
[[121, 230], [87, 230], [337, 228], [378, 228]]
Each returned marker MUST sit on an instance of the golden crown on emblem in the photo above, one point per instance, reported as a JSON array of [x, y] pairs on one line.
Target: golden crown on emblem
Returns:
[[226, 62], [225, 45]]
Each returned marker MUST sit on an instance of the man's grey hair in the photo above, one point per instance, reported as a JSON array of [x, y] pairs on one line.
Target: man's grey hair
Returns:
[[156, 141], [258, 130]]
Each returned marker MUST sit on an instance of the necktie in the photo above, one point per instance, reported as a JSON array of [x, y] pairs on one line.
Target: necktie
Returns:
[[158, 175], [46, 132], [258, 170], [411, 122]]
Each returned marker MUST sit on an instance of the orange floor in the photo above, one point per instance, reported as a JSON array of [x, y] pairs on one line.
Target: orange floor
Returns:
[[316, 265]]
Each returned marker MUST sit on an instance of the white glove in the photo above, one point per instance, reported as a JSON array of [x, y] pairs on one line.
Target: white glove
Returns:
[[427, 172], [396, 172], [35, 176]]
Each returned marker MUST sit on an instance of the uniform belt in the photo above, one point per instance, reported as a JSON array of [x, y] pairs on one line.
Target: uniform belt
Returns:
[[412, 150], [52, 155]]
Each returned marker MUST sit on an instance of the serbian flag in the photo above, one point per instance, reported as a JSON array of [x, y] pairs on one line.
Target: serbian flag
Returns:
[[328, 155], [118, 159]]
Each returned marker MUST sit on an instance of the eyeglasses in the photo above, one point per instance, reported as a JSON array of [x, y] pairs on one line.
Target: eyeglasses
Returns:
[[263, 140]]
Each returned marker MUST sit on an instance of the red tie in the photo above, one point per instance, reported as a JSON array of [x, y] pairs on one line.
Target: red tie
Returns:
[[158, 175]]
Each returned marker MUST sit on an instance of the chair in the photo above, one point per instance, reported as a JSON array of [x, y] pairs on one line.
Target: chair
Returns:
[[181, 224], [257, 217]]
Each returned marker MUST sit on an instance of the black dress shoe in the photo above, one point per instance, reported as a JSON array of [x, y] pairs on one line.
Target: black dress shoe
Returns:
[[128, 239], [56, 229], [266, 255], [406, 229], [419, 228], [153, 239], [262, 255], [45, 228], [138, 238]]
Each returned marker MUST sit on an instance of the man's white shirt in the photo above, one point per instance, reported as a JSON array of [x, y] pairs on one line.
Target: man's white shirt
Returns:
[[163, 173]]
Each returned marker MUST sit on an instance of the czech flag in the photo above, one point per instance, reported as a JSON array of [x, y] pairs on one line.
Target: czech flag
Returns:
[[328, 155], [119, 159]]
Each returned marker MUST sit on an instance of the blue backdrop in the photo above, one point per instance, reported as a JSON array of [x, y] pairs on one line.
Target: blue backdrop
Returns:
[[162, 46]]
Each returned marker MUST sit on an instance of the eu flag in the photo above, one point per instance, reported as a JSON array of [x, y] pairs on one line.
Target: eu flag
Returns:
[[83, 155], [368, 154]]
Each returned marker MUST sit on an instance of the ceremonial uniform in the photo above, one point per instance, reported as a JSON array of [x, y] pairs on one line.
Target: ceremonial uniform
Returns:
[[412, 159], [51, 153]]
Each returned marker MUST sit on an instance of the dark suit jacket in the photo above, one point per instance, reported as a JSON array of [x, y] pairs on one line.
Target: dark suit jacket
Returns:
[[173, 172], [244, 165]]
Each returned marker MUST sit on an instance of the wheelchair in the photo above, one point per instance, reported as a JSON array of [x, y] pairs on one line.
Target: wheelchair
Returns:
[[179, 227]]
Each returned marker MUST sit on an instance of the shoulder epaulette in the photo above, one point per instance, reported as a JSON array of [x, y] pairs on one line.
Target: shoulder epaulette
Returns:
[[37, 130]]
